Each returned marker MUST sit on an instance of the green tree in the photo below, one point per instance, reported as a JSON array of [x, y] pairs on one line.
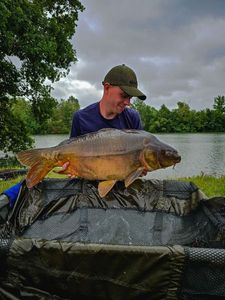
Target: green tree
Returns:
[[22, 109], [147, 113], [219, 104], [10, 124], [35, 48], [184, 118], [200, 121], [219, 113], [61, 119], [209, 125], [42, 109], [164, 120]]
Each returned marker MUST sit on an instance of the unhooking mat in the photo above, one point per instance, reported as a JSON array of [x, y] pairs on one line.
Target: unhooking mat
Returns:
[[157, 239]]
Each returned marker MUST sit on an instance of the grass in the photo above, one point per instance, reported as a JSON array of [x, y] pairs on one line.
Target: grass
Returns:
[[211, 186], [5, 184]]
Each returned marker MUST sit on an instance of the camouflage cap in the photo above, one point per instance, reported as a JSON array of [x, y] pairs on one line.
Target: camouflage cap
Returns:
[[126, 79]]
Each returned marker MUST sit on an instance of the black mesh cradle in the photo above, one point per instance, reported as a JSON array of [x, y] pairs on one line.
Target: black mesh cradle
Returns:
[[155, 240]]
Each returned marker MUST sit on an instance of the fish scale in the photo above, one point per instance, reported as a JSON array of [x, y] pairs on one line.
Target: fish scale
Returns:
[[108, 142]]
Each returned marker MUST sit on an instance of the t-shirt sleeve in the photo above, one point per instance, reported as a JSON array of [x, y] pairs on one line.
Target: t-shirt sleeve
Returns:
[[137, 121], [75, 128]]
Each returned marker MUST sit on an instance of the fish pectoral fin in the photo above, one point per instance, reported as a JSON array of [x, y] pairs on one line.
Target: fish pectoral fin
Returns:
[[105, 186], [133, 176], [36, 173]]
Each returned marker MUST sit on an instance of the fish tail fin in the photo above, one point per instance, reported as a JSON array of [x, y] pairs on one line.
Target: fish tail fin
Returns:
[[29, 157], [39, 165]]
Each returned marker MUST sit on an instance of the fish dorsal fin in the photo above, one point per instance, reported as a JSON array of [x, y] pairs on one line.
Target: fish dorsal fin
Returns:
[[105, 186], [133, 176]]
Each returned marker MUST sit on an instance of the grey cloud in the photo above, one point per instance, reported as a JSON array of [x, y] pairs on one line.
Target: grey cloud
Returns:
[[176, 47]]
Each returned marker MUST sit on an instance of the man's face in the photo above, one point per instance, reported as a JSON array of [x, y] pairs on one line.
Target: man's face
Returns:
[[117, 99]]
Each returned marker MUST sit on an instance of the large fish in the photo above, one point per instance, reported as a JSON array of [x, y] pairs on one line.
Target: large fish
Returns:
[[107, 155]]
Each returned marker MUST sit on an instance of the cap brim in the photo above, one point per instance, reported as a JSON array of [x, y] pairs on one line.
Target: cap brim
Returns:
[[133, 92]]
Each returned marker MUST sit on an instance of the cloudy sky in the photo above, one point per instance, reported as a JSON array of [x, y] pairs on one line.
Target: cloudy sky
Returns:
[[176, 47]]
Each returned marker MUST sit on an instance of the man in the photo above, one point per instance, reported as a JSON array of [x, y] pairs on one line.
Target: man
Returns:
[[119, 86]]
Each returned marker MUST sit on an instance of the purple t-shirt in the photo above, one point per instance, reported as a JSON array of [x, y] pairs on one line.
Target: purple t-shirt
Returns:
[[90, 119]]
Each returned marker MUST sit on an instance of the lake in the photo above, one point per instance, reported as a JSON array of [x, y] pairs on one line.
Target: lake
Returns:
[[202, 153]]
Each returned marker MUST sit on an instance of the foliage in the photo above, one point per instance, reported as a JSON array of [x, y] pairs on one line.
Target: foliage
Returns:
[[35, 46], [219, 113], [59, 122], [14, 134], [61, 119], [182, 119], [147, 113], [22, 109], [42, 109]]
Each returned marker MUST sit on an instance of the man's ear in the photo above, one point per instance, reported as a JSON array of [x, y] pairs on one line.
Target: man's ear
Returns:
[[106, 86]]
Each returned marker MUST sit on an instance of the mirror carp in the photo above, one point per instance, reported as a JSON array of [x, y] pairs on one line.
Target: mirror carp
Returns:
[[107, 155]]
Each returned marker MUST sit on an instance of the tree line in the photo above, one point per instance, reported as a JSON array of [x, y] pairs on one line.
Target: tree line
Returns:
[[56, 117], [182, 119]]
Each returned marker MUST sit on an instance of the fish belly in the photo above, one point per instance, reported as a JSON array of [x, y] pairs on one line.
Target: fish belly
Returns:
[[116, 167]]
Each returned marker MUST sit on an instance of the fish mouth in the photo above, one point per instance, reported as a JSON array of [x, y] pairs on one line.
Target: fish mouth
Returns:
[[170, 158], [177, 161], [177, 158]]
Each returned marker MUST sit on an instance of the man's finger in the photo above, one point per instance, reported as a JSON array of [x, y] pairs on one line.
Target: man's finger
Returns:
[[63, 168]]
